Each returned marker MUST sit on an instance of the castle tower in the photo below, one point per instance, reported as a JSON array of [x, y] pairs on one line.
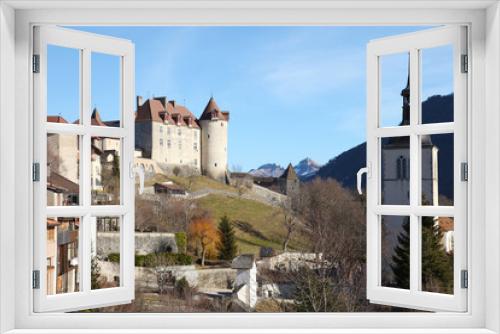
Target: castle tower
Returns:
[[213, 123]]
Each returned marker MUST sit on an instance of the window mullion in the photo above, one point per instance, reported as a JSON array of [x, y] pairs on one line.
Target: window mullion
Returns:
[[415, 262], [86, 158]]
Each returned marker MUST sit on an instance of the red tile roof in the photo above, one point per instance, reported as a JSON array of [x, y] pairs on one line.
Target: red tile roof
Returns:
[[56, 119], [212, 111], [95, 119], [161, 111]]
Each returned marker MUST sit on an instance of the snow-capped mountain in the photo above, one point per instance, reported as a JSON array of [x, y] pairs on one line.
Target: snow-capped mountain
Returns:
[[306, 168], [268, 170]]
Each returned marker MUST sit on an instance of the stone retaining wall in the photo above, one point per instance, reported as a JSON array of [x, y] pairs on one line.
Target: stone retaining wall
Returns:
[[145, 278], [145, 242]]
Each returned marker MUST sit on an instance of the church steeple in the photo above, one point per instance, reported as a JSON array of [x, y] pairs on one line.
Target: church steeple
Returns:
[[405, 93]]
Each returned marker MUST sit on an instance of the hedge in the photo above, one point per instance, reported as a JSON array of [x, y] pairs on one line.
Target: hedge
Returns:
[[154, 260]]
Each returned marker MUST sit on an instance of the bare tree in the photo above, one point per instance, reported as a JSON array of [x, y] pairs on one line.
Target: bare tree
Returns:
[[335, 218]]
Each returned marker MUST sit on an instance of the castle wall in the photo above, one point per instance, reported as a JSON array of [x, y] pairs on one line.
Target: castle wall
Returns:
[[174, 145], [63, 149], [214, 148], [143, 137]]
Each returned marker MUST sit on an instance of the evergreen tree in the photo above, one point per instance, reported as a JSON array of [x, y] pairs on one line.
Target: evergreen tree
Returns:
[[437, 264], [401, 259], [227, 241]]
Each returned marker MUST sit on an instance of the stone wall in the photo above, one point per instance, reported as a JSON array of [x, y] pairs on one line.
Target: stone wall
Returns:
[[145, 243], [145, 278]]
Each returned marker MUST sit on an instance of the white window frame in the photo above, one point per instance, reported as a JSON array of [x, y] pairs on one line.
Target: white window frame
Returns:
[[86, 44], [411, 44], [16, 19]]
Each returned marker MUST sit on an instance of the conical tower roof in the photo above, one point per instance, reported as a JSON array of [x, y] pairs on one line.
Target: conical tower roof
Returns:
[[213, 111], [289, 173], [96, 118]]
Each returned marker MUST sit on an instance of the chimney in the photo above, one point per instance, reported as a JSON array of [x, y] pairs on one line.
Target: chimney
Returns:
[[172, 102], [138, 101], [163, 101]]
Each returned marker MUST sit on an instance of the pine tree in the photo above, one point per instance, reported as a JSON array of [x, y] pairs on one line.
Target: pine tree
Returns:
[[227, 242], [437, 265], [401, 259]]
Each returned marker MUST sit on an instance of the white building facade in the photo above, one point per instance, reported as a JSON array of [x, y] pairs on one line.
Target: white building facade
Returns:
[[169, 134]]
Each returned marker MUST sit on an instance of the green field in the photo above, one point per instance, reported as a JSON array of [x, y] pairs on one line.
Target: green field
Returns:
[[256, 224]]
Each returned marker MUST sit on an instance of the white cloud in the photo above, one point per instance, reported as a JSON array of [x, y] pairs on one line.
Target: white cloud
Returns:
[[311, 73]]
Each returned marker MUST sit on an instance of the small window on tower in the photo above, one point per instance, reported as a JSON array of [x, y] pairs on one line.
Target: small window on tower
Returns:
[[161, 141]]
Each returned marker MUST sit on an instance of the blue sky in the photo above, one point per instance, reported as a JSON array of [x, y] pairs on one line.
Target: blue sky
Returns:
[[293, 92]]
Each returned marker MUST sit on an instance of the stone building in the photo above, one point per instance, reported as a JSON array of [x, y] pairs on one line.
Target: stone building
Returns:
[[171, 135]]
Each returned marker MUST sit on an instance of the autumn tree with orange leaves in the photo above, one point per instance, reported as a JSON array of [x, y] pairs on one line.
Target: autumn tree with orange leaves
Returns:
[[203, 234]]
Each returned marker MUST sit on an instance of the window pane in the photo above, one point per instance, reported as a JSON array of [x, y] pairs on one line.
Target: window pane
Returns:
[[437, 84], [62, 255], [394, 90], [105, 170], [437, 169], [63, 84], [395, 249], [437, 254], [63, 169], [105, 245], [106, 90], [395, 171]]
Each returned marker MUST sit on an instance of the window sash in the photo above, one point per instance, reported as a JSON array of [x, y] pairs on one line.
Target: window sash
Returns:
[[414, 297], [86, 43]]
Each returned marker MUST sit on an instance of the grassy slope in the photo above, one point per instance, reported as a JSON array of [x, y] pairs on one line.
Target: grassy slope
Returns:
[[195, 183], [264, 222]]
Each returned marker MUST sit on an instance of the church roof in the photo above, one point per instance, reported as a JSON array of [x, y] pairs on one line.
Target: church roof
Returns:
[[212, 111]]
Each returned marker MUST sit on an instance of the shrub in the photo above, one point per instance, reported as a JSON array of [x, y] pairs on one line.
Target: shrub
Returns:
[[154, 260], [181, 241], [182, 288], [114, 257]]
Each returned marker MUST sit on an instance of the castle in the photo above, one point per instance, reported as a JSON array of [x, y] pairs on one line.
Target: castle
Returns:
[[171, 135]]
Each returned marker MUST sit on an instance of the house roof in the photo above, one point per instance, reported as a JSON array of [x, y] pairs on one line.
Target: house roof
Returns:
[[243, 261], [59, 183], [169, 186], [446, 224], [212, 111]]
